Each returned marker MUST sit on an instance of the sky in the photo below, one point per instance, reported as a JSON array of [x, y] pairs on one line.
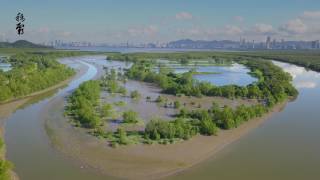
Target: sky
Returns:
[[141, 21]]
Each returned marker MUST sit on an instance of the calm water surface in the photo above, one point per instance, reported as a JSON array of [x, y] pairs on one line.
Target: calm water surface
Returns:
[[236, 74], [5, 67]]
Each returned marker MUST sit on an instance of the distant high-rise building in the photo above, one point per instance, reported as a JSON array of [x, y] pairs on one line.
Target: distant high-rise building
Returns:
[[268, 42], [283, 44], [315, 44], [243, 43], [274, 44]]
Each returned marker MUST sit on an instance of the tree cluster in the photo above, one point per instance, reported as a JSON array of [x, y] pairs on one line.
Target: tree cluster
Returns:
[[273, 85], [31, 73], [180, 128], [83, 102]]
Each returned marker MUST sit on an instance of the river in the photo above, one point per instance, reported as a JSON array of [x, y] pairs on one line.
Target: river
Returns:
[[284, 147], [28, 145]]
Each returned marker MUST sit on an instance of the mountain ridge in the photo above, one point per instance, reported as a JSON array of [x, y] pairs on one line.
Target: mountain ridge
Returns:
[[21, 44]]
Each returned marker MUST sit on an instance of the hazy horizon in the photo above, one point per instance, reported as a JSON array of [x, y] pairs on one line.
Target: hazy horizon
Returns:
[[145, 21]]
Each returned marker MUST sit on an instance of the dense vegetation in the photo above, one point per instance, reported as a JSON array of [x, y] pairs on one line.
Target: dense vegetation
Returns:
[[5, 166], [83, 102], [205, 122], [32, 72], [182, 57], [130, 117], [307, 59], [180, 128]]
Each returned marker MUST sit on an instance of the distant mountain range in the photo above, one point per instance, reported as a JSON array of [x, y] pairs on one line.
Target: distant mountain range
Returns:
[[228, 44], [200, 44], [21, 44]]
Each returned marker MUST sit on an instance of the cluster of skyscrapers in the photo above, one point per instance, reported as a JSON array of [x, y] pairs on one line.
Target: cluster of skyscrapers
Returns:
[[278, 45], [315, 44]]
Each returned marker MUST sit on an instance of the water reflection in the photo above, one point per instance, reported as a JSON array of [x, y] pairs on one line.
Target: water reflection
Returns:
[[5, 67], [305, 85], [221, 75], [301, 77]]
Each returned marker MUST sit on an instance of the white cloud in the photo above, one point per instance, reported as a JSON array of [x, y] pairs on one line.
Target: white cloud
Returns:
[[64, 34], [311, 14], [295, 26], [150, 30], [205, 33], [238, 18], [2, 36], [44, 30], [184, 16], [306, 84], [312, 20], [233, 30], [189, 32], [305, 26], [263, 28]]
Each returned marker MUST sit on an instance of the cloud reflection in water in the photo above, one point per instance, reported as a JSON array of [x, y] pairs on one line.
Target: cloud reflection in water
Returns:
[[302, 78]]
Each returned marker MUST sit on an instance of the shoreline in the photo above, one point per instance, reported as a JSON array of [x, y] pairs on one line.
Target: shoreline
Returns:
[[15, 104], [12, 104], [51, 88], [9, 106], [54, 87], [244, 130], [142, 161], [147, 161]]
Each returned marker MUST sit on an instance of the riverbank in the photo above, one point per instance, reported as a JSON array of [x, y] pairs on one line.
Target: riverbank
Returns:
[[7, 108], [59, 85], [137, 161]]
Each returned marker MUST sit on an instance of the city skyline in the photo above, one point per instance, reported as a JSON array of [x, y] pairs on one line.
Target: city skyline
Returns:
[[242, 44], [145, 21]]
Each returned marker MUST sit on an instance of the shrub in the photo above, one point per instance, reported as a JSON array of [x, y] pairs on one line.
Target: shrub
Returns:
[[135, 94], [130, 117], [177, 104]]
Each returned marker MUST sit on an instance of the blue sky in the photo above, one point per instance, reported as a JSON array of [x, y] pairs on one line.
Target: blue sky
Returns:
[[117, 21]]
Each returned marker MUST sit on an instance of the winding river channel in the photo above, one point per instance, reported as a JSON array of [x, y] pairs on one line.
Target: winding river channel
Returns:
[[286, 146]]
